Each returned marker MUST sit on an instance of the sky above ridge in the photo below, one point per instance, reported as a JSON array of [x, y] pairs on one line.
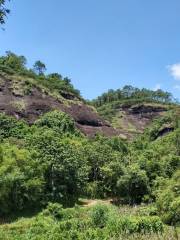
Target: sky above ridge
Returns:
[[99, 44]]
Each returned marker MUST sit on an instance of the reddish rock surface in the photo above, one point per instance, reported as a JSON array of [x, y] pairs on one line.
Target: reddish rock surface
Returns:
[[30, 107]]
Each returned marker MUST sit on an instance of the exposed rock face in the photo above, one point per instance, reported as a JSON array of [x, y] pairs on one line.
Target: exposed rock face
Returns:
[[132, 120], [31, 105], [142, 115], [146, 111]]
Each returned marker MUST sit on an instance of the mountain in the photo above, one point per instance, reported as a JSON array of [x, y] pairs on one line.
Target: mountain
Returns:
[[131, 110], [28, 97]]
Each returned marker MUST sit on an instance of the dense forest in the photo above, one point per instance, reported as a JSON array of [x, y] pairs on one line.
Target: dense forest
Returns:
[[50, 170]]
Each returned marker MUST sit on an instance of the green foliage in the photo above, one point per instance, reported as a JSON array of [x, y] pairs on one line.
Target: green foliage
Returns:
[[39, 67], [130, 225], [65, 165], [168, 200], [96, 223], [133, 185], [105, 166], [21, 182], [58, 121], [132, 93], [54, 210], [54, 84], [54, 161], [13, 61], [10, 127], [99, 215], [3, 11]]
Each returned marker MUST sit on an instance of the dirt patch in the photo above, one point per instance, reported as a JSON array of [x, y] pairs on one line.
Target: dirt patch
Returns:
[[93, 202]]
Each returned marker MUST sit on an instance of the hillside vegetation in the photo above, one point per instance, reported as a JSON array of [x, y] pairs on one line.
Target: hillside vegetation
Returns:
[[131, 110], [29, 93], [48, 167]]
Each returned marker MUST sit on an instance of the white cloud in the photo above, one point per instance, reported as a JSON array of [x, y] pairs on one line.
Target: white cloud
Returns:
[[157, 86], [175, 70], [177, 87]]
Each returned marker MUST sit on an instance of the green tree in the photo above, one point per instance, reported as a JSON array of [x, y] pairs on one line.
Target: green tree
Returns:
[[21, 182], [13, 61], [10, 127], [133, 185], [58, 121], [168, 198], [55, 76], [64, 163], [39, 67]]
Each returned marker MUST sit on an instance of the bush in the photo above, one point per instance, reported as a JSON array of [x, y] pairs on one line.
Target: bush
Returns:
[[173, 215], [92, 190], [54, 210], [21, 181], [58, 121], [148, 211], [168, 200], [133, 185], [150, 224], [99, 215], [130, 225], [10, 127], [7, 69]]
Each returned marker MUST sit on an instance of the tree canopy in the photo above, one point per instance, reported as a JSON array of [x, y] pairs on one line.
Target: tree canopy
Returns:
[[3, 11], [129, 92]]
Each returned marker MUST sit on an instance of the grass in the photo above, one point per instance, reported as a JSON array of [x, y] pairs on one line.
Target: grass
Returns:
[[98, 221]]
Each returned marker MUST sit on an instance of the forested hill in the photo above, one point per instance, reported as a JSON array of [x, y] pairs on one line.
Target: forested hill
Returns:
[[28, 93], [131, 110]]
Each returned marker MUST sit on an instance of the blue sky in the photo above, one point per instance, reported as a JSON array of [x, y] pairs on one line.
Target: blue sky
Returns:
[[100, 44]]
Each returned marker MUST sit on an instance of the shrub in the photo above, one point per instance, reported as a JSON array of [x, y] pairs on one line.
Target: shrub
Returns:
[[148, 211], [133, 185], [168, 200], [173, 216], [10, 127], [133, 224], [99, 215], [150, 224], [54, 210], [58, 121]]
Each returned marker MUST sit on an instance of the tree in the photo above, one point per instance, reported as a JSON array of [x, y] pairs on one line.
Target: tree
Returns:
[[64, 165], [58, 121], [168, 198], [67, 80], [21, 184], [55, 76], [3, 11], [14, 61], [39, 67], [133, 185]]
